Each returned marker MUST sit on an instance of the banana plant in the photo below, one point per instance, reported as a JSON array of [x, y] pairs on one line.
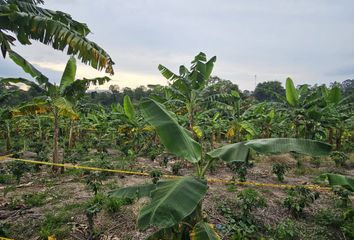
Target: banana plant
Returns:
[[176, 205], [187, 89], [57, 99]]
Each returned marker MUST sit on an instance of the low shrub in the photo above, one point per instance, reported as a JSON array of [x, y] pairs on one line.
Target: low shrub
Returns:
[[298, 198], [279, 169], [339, 158]]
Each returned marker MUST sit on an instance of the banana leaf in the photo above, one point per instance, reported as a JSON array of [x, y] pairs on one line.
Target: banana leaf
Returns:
[[174, 137], [132, 192], [284, 145], [204, 231], [292, 95], [172, 201]]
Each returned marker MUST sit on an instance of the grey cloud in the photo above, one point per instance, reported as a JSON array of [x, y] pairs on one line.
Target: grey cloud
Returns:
[[273, 39]]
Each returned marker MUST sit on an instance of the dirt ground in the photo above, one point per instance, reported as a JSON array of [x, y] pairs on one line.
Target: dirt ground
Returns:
[[67, 191]]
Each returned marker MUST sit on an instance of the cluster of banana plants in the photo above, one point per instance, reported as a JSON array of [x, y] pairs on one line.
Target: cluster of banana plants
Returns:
[[175, 206], [57, 100]]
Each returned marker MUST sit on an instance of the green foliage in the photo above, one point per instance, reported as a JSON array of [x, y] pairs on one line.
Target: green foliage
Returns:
[[203, 230], [248, 200], [348, 226], [178, 198], [241, 224], [337, 180], [14, 204], [269, 91], [240, 169], [55, 224], [5, 230], [279, 169], [292, 95], [35, 199], [339, 158], [29, 22], [155, 175], [6, 178], [18, 169], [343, 195], [114, 204], [94, 181], [298, 198], [339, 219], [286, 230], [316, 161], [166, 125], [175, 167]]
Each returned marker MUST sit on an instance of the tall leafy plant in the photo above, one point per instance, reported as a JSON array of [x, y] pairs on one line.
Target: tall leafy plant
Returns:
[[176, 205], [57, 99]]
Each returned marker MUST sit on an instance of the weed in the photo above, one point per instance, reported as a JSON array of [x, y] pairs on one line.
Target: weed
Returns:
[[6, 178], [231, 188], [114, 204], [14, 204], [34, 199], [55, 224], [5, 230]]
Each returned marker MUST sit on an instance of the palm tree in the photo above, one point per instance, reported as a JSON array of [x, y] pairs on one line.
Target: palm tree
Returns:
[[25, 20], [58, 99]]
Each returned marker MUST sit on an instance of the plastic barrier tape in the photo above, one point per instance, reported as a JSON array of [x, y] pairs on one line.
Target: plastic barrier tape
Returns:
[[211, 180]]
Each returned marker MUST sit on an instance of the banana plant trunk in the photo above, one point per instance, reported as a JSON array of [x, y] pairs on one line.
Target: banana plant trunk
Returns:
[[56, 141], [339, 134], [330, 136], [8, 137], [71, 136]]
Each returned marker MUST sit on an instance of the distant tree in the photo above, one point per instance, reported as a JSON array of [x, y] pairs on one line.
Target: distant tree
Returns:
[[140, 92], [115, 91], [127, 91], [347, 88], [269, 91]]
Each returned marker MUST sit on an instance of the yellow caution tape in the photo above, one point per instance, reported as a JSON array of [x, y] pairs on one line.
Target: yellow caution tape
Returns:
[[210, 180]]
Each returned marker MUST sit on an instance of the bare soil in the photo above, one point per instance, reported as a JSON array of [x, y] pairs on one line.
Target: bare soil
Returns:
[[68, 191]]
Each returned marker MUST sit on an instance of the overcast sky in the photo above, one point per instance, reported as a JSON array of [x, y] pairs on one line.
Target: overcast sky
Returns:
[[311, 41]]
